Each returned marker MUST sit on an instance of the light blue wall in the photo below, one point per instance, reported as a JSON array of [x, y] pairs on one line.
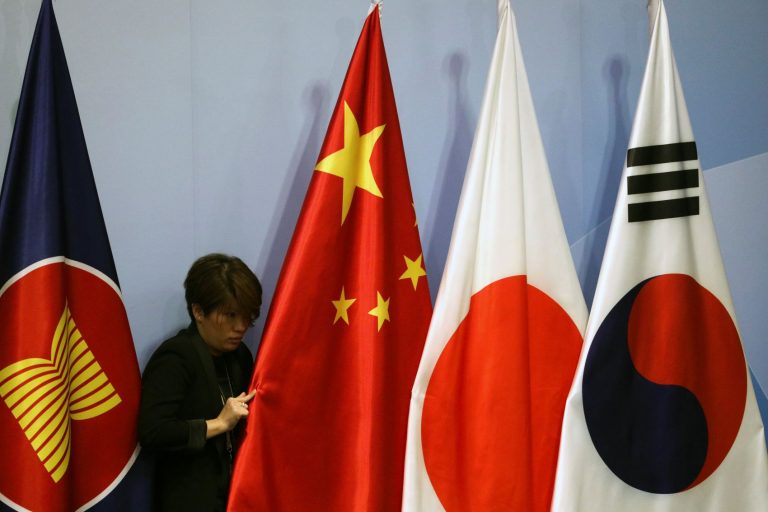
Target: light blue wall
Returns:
[[204, 119]]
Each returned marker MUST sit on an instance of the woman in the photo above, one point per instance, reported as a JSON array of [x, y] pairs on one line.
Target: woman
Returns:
[[194, 387]]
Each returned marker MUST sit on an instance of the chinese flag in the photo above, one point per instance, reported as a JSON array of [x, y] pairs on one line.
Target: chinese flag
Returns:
[[347, 325]]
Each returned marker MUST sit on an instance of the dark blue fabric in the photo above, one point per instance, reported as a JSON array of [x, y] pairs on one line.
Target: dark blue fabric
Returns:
[[652, 436], [132, 494], [48, 203]]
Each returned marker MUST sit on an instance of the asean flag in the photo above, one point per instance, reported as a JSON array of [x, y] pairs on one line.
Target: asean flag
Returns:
[[662, 415], [69, 380], [327, 427], [506, 333]]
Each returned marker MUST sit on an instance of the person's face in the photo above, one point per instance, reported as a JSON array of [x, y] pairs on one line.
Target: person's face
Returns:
[[222, 329]]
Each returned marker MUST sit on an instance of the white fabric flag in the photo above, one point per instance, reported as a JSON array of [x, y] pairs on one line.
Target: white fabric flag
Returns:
[[507, 328], [662, 414]]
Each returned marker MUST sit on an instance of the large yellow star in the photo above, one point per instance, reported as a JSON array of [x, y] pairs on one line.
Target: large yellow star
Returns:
[[342, 305], [381, 311], [352, 162], [413, 270]]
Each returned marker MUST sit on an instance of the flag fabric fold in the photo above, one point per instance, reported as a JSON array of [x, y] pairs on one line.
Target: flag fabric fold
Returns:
[[506, 333], [662, 414], [69, 379], [347, 324]]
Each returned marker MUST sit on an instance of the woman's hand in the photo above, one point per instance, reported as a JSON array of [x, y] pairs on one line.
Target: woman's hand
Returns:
[[235, 408]]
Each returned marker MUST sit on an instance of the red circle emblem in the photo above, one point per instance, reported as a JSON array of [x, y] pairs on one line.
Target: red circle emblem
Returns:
[[665, 385], [69, 388], [494, 404]]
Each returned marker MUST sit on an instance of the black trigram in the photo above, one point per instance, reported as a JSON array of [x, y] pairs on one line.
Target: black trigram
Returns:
[[661, 181]]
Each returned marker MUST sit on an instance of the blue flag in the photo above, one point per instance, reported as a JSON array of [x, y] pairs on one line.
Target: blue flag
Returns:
[[69, 379]]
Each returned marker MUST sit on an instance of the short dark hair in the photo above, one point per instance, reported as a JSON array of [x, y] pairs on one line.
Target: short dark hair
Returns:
[[216, 280]]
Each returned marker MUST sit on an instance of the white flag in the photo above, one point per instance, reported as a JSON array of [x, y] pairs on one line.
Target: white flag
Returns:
[[662, 415], [507, 329]]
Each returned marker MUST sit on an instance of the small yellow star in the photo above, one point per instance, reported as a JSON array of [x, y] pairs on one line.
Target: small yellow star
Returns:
[[342, 305], [352, 163], [413, 270], [381, 311]]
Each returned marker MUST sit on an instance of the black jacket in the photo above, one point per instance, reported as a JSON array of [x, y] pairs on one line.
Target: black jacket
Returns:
[[179, 392]]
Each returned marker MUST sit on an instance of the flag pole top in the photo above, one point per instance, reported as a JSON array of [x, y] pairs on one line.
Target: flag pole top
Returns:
[[653, 12], [374, 3], [502, 6]]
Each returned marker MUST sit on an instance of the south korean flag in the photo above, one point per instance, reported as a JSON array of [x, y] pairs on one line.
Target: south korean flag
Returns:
[[662, 415]]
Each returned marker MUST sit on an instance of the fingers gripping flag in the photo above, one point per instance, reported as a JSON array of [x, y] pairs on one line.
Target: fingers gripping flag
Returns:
[[506, 333], [69, 380], [662, 415]]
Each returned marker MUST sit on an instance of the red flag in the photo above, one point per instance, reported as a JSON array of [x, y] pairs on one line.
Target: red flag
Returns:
[[348, 321]]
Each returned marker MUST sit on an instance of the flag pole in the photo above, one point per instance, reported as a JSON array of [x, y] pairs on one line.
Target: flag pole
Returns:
[[653, 13], [374, 3], [501, 8]]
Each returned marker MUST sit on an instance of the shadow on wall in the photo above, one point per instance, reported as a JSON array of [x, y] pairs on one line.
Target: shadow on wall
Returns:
[[16, 28], [615, 72], [295, 185], [453, 164], [762, 403], [174, 314]]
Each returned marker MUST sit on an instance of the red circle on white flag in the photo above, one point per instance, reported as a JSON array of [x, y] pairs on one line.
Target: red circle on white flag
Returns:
[[494, 404]]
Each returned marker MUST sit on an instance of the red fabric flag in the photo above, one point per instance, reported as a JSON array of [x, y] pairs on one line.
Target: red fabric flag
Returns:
[[347, 324]]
